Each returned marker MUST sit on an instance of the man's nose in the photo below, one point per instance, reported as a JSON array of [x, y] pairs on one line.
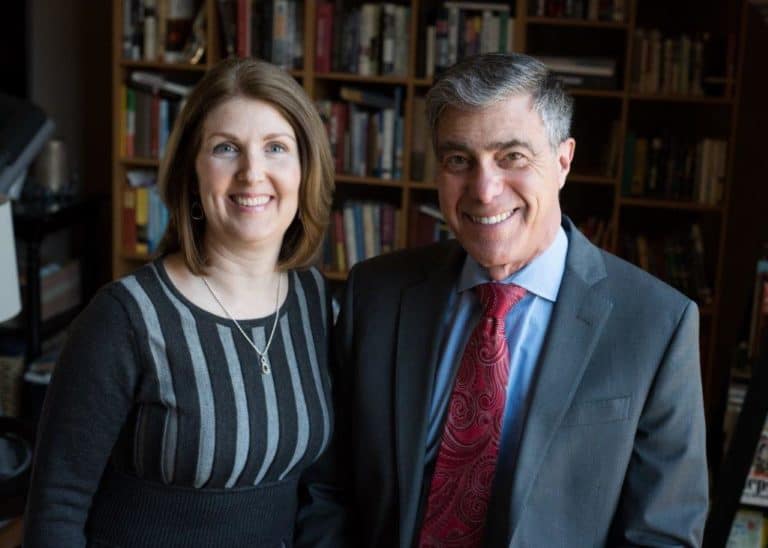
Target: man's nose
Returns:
[[487, 183]]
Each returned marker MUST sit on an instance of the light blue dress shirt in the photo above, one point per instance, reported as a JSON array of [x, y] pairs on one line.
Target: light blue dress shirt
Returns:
[[525, 326]]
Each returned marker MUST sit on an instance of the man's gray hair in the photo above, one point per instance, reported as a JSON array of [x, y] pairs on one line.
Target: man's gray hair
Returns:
[[482, 80]]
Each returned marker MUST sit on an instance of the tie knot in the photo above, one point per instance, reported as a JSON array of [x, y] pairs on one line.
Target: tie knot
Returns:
[[498, 299]]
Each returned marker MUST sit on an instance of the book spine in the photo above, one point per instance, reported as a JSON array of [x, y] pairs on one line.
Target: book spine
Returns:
[[324, 48]]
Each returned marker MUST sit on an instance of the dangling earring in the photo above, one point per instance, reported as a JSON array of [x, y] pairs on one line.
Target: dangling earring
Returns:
[[196, 211]]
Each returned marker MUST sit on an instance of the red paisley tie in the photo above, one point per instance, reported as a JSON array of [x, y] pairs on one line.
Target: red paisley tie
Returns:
[[466, 462]]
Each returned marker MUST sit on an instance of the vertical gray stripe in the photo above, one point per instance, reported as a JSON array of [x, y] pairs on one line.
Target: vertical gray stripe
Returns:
[[270, 404], [242, 428], [207, 443], [163, 372], [311, 350], [302, 417], [321, 292]]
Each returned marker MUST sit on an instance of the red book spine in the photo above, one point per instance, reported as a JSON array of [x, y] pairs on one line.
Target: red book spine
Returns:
[[129, 220], [339, 123], [243, 26], [324, 37]]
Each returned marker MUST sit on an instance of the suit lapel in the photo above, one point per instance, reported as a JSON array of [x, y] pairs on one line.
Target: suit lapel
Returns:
[[422, 310], [578, 318]]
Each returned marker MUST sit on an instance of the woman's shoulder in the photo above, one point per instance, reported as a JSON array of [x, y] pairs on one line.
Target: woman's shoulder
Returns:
[[128, 290], [311, 279]]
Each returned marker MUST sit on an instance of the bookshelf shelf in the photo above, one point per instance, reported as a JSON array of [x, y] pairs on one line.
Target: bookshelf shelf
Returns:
[[336, 276], [422, 185], [348, 77], [137, 257], [656, 203], [368, 181], [158, 65], [574, 22], [607, 93], [140, 162], [693, 99], [591, 179]]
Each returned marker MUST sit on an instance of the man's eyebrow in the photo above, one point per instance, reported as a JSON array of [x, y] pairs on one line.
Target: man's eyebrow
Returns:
[[496, 145], [452, 145], [510, 144]]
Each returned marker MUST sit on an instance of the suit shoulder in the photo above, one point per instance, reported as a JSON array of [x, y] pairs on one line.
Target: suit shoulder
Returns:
[[407, 264]]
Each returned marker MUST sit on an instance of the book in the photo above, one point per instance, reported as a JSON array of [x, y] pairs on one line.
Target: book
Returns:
[[748, 530], [157, 82], [228, 19], [367, 98], [756, 486], [324, 44]]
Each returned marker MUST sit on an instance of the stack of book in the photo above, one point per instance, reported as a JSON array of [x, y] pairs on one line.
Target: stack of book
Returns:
[[583, 72]]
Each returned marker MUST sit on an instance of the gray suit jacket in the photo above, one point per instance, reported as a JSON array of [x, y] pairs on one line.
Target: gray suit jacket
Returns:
[[613, 448]]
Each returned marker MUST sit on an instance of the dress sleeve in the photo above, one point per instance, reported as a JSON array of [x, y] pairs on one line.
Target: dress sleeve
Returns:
[[86, 405]]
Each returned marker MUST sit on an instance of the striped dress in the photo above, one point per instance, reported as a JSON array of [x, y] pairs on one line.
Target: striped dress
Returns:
[[159, 420]]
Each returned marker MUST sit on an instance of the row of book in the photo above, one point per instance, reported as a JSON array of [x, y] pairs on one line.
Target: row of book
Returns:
[[594, 10], [667, 65], [144, 216], [677, 258], [150, 106], [268, 29], [365, 130], [359, 230], [671, 167], [369, 40], [171, 31], [462, 29]]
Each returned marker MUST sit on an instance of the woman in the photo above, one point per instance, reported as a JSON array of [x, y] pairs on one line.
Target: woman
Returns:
[[192, 405]]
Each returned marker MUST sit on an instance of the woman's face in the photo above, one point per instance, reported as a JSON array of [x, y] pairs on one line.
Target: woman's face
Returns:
[[249, 172]]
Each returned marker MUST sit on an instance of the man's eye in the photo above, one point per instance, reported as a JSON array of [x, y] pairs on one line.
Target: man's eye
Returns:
[[224, 148], [456, 162], [514, 159]]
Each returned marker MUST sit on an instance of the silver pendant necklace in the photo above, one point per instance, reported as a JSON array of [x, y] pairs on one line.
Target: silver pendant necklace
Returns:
[[262, 354]]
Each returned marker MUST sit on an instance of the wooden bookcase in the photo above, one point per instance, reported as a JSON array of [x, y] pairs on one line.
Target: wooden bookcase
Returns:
[[601, 116]]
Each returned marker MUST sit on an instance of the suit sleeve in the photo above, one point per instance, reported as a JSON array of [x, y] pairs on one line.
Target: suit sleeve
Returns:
[[665, 494], [321, 519], [86, 405]]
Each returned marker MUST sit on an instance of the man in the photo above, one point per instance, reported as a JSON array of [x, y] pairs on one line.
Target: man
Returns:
[[571, 415]]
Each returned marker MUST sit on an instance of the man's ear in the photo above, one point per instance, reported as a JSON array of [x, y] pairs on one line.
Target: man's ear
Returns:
[[565, 151]]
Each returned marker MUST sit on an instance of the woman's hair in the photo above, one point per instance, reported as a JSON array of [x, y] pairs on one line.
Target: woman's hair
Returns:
[[177, 179], [480, 81]]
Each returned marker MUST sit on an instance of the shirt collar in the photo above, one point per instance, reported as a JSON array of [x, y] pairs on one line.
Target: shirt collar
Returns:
[[542, 276]]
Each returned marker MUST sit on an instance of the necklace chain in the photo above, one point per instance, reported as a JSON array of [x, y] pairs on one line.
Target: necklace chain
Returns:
[[261, 353]]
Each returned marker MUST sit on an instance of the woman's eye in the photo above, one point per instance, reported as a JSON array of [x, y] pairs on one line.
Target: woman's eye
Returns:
[[276, 147], [224, 148]]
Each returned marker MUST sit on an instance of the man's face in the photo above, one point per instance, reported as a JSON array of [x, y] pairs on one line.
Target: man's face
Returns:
[[498, 180]]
